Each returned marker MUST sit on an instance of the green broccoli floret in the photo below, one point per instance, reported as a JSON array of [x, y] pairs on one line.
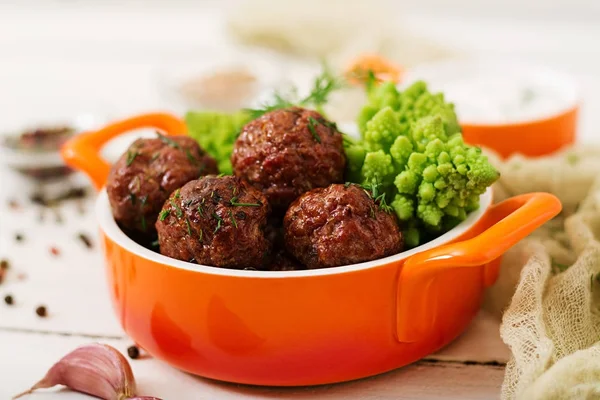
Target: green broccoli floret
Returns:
[[446, 178], [216, 132], [381, 130], [412, 146], [355, 155], [385, 95], [365, 116], [378, 168]]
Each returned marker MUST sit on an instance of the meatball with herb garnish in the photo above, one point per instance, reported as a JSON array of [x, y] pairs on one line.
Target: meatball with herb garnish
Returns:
[[341, 225], [216, 221], [149, 171], [288, 152]]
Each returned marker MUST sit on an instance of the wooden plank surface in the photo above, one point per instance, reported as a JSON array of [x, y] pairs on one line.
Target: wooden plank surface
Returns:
[[30, 354]]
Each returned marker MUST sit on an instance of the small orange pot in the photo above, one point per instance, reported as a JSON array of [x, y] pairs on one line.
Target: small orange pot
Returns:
[[531, 138], [541, 134], [311, 327]]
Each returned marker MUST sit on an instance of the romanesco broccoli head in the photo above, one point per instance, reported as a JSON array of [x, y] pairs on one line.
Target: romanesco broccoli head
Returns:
[[412, 145], [382, 130]]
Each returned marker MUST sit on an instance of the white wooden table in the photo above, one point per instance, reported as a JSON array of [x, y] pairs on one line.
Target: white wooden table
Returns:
[[106, 58]]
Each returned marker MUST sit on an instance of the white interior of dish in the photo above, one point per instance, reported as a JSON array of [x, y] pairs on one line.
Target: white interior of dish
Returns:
[[498, 80], [112, 230]]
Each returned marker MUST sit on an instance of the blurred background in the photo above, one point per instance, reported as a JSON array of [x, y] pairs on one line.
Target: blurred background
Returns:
[[120, 57], [82, 63]]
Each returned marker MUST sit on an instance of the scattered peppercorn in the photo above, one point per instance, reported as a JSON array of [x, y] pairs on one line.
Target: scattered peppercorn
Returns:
[[4, 264], [86, 240], [54, 251], [70, 194], [8, 299], [19, 237], [133, 352], [39, 199], [57, 216], [80, 208], [41, 311], [14, 204]]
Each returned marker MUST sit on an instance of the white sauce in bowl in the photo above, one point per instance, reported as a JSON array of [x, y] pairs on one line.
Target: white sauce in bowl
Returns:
[[492, 92]]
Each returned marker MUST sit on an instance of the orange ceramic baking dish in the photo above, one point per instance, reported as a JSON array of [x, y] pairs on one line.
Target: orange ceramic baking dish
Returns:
[[308, 327]]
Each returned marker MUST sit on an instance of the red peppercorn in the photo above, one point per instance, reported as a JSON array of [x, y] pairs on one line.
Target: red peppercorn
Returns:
[[54, 251], [14, 204]]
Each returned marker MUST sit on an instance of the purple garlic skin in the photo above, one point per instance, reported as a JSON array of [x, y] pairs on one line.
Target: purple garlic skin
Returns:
[[95, 369]]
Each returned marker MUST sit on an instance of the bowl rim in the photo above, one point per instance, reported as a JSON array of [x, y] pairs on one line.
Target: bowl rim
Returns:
[[109, 227], [568, 83]]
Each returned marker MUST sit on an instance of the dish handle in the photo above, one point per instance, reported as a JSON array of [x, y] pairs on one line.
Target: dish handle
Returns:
[[83, 151], [504, 225]]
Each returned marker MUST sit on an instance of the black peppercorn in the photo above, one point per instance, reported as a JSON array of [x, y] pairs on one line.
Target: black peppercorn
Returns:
[[86, 240], [8, 299], [4, 264], [133, 352], [41, 311], [19, 237]]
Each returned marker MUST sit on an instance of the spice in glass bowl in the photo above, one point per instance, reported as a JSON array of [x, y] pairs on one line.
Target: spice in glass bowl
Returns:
[[40, 139], [223, 89]]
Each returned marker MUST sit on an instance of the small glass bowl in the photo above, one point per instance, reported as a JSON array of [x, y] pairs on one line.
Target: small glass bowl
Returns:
[[34, 150], [224, 82]]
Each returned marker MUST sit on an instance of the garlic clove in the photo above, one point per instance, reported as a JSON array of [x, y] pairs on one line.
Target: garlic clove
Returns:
[[95, 369]]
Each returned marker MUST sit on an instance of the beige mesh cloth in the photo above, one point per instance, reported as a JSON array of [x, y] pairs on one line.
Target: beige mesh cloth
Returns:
[[549, 285]]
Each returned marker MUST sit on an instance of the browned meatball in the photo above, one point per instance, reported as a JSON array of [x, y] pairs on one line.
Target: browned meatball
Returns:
[[218, 221], [288, 152], [339, 225], [149, 171]]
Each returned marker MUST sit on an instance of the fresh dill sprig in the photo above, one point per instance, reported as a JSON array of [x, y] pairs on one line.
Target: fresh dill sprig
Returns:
[[311, 127], [235, 203], [131, 155], [219, 222], [190, 156], [372, 190], [233, 221], [168, 141], [177, 209], [323, 86], [279, 101], [189, 228], [164, 214]]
